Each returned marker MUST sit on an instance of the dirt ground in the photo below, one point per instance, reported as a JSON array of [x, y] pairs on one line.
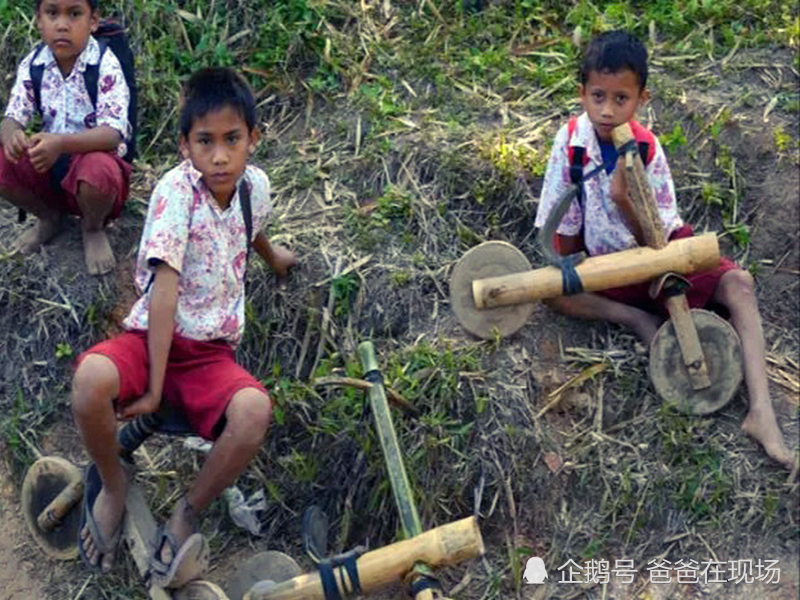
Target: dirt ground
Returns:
[[533, 361]]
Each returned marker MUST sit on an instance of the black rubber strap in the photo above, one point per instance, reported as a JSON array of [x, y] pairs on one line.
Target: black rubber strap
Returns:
[[350, 564], [348, 575], [374, 376], [422, 584], [329, 587], [571, 283]]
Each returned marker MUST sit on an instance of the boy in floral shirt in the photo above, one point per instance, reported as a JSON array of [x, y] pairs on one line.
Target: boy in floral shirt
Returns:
[[181, 333], [91, 181], [612, 87]]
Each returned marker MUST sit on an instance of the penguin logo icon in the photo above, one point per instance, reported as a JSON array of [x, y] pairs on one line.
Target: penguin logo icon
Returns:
[[535, 571]]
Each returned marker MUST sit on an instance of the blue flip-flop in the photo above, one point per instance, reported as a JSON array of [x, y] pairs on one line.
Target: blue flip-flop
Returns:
[[92, 486]]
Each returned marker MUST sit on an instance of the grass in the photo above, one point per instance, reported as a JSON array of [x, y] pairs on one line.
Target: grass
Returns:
[[397, 135]]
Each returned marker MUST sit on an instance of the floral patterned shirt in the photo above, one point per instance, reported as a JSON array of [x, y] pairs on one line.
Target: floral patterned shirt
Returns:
[[604, 226], [187, 229], [66, 105]]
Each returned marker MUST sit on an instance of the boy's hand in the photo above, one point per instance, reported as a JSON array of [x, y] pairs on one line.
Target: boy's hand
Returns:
[[43, 150], [146, 404], [17, 146], [282, 259]]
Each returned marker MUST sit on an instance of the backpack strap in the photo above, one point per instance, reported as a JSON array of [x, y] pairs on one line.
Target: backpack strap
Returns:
[[646, 142], [577, 159], [37, 73], [247, 215], [91, 75], [576, 154]]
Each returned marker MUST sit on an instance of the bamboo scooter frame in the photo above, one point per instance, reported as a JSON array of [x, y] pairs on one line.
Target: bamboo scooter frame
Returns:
[[410, 559]]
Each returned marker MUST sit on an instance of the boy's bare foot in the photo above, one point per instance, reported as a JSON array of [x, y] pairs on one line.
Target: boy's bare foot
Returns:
[[107, 511], [97, 251], [764, 428], [44, 230]]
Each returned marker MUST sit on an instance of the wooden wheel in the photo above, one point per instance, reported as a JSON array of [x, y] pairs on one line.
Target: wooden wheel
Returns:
[[489, 259], [264, 567], [200, 590], [723, 356], [45, 480]]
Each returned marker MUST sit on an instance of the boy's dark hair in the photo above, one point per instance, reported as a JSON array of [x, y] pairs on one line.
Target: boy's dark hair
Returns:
[[614, 51], [93, 4], [213, 89]]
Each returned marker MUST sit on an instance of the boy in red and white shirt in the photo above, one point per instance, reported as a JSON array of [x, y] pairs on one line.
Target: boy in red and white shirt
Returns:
[[182, 332], [93, 180], [613, 86]]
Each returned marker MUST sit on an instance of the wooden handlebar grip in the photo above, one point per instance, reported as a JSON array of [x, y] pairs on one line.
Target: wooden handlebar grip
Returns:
[[683, 256], [54, 512], [642, 198], [445, 545]]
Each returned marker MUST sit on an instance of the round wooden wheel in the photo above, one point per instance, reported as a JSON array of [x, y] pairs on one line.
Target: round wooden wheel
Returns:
[[200, 590], [263, 569], [489, 259], [723, 354], [45, 480]]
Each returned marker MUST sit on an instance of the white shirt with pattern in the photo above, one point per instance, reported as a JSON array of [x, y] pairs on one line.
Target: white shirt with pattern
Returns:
[[604, 226], [66, 104], [187, 229]]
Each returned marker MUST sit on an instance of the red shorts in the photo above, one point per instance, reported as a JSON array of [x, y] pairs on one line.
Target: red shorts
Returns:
[[201, 377], [104, 171], [704, 284]]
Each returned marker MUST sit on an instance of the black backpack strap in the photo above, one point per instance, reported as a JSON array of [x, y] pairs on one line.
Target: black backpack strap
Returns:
[[644, 149], [91, 75], [37, 73], [576, 171], [247, 215]]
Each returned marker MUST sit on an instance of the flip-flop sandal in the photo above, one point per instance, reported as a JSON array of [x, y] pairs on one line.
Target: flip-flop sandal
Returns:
[[189, 561], [92, 486]]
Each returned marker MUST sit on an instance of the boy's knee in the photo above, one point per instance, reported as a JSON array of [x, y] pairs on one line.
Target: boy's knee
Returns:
[[97, 174], [736, 286], [95, 383], [249, 414]]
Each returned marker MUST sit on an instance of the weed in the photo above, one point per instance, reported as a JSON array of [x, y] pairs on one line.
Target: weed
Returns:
[[63, 350], [345, 288], [401, 278], [783, 140], [674, 139]]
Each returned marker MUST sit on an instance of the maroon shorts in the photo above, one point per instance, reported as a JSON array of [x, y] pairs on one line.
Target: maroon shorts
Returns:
[[704, 284], [104, 171], [201, 377]]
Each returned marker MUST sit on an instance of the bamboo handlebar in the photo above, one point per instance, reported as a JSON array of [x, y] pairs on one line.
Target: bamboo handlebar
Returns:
[[683, 256], [445, 545]]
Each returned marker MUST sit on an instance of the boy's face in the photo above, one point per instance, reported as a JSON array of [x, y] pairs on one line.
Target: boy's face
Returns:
[[219, 146], [65, 26], [611, 99]]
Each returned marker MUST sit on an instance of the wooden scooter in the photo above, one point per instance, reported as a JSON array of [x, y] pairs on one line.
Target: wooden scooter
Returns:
[[695, 358]]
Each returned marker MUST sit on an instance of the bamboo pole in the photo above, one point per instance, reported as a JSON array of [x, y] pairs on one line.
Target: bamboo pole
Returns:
[[682, 256], [445, 545]]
